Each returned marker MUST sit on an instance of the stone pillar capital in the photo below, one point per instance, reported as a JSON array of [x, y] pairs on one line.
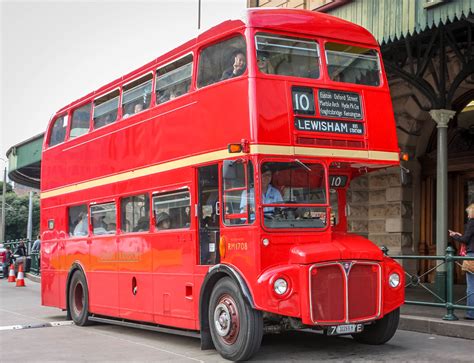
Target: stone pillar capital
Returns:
[[442, 117]]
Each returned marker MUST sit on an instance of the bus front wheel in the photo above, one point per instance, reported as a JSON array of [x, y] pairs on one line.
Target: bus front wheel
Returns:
[[79, 299], [236, 328], [381, 331]]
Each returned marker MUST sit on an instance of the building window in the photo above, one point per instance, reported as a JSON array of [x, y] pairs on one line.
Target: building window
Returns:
[[174, 79], [80, 121], [224, 60], [106, 109], [172, 210], [136, 96], [78, 221], [135, 213], [103, 218], [58, 131]]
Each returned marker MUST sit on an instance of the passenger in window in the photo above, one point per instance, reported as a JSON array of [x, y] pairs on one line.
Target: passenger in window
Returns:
[[238, 67], [138, 108], [163, 221], [270, 195], [111, 227], [81, 228], [143, 224], [98, 224], [263, 62]]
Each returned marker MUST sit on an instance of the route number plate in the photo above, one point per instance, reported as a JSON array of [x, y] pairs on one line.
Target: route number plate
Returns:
[[345, 329]]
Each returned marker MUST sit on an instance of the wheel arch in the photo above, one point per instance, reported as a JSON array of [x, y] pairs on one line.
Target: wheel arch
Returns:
[[216, 273], [76, 266]]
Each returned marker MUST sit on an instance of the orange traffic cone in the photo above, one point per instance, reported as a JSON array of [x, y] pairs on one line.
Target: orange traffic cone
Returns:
[[11, 274], [20, 281]]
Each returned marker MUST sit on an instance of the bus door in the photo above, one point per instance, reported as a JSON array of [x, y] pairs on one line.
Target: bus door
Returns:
[[208, 214]]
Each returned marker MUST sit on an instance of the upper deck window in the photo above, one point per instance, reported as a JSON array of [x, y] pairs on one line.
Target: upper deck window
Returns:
[[80, 121], [58, 131], [287, 56], [224, 60], [105, 109], [351, 64], [136, 96], [174, 79]]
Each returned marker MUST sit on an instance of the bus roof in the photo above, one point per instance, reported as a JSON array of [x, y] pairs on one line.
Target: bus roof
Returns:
[[289, 20]]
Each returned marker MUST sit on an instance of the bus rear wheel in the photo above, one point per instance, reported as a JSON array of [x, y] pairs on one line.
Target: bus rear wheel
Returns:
[[78, 299], [236, 328], [381, 331]]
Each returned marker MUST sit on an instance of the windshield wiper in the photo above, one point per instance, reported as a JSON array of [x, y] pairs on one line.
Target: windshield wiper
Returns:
[[299, 162]]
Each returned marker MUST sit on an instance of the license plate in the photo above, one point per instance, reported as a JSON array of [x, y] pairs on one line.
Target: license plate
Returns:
[[345, 329]]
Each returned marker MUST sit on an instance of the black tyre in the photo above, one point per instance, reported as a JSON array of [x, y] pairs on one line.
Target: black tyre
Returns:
[[381, 331], [236, 328], [78, 298]]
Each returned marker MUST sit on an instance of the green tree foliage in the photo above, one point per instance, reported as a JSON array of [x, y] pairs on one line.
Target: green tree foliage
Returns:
[[16, 215], [9, 188]]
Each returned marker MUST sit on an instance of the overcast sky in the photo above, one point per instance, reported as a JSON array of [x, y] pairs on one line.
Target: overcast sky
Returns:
[[53, 52]]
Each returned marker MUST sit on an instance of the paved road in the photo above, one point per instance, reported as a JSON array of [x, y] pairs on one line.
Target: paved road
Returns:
[[20, 306]]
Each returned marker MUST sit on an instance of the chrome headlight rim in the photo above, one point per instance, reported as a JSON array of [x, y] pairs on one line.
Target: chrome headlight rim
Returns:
[[394, 280], [280, 286]]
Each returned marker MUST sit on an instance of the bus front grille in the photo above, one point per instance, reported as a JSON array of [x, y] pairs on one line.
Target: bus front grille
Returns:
[[343, 292]]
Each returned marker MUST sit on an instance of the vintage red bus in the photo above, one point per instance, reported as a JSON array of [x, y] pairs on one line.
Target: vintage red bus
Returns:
[[205, 193]]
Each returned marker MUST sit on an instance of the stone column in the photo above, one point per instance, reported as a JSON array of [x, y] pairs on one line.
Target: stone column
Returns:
[[442, 118]]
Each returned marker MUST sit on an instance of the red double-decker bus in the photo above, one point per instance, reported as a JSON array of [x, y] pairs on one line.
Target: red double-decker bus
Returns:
[[205, 192]]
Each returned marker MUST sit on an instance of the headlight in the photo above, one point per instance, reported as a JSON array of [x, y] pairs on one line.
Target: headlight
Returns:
[[280, 286], [394, 280]]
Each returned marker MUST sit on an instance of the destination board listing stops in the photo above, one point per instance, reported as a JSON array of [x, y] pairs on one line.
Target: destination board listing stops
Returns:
[[339, 104]]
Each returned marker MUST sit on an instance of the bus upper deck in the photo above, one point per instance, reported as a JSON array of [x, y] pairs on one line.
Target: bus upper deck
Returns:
[[303, 102]]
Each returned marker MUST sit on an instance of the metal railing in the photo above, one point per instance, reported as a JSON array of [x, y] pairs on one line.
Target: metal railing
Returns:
[[34, 255], [448, 302]]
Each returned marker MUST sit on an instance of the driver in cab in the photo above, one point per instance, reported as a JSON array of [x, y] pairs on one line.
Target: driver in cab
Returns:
[[270, 195]]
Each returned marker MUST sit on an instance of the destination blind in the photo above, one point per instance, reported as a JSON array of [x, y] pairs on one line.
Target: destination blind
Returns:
[[329, 126]]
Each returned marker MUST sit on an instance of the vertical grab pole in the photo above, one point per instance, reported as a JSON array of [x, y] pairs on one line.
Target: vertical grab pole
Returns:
[[449, 284]]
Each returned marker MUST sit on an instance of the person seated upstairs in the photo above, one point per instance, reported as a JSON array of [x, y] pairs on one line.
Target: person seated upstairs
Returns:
[[263, 62], [238, 66], [138, 108]]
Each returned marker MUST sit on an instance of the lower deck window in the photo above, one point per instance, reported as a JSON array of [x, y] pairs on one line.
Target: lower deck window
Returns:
[[172, 210], [103, 218]]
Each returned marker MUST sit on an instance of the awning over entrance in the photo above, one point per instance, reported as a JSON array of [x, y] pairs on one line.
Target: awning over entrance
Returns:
[[24, 162], [390, 20]]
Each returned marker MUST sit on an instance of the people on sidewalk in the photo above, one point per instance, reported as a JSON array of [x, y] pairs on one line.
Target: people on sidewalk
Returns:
[[468, 239], [36, 245]]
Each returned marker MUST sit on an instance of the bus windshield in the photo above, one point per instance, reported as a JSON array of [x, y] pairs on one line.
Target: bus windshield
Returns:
[[293, 195], [351, 64], [287, 56]]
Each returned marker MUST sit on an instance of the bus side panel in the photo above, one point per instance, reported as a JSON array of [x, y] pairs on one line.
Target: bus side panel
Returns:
[[50, 273], [273, 123], [103, 277], [173, 279], [73, 251], [380, 122], [134, 277]]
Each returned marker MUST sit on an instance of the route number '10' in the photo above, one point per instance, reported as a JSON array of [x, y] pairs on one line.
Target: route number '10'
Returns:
[[303, 100], [337, 181]]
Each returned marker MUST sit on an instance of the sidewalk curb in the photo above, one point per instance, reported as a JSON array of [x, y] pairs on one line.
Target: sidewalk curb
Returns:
[[32, 277], [458, 329]]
